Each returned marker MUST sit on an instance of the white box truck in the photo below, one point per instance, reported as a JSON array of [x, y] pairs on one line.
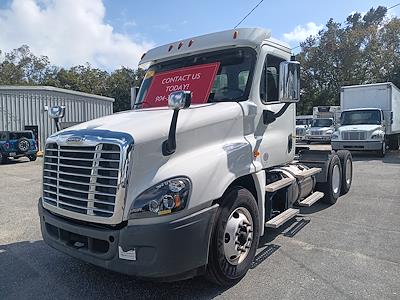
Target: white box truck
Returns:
[[186, 183], [370, 118]]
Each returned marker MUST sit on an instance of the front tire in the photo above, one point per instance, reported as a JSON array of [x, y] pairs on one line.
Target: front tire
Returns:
[[382, 152], [234, 239], [332, 187]]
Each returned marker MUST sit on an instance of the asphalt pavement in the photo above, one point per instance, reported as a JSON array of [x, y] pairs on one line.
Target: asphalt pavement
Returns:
[[350, 250]]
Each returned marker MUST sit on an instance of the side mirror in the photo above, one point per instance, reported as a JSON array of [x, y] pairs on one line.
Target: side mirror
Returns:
[[179, 100], [289, 82], [176, 101], [56, 112]]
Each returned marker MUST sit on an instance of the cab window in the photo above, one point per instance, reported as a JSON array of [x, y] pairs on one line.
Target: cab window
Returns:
[[269, 85]]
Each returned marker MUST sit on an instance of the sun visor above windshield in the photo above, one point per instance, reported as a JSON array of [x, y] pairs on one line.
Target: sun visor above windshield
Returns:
[[251, 37]]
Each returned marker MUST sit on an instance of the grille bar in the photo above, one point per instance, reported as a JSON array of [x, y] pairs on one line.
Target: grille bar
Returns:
[[82, 179]]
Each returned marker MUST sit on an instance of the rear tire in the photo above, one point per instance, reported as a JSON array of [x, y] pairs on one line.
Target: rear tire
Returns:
[[32, 157], [332, 187], [3, 158], [346, 162], [23, 145], [394, 142], [227, 265]]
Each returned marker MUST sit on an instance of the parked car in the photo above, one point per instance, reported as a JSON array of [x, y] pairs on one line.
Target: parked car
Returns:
[[17, 144]]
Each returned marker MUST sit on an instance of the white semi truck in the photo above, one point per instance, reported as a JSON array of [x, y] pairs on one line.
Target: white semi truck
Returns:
[[323, 124], [302, 124], [370, 119], [187, 182]]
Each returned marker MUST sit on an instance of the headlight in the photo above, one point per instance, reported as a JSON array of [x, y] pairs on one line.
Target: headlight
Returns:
[[164, 198], [335, 135], [329, 132], [377, 135]]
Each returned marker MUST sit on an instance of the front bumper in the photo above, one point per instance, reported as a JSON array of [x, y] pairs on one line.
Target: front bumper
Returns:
[[315, 138], [357, 145], [172, 250], [17, 154]]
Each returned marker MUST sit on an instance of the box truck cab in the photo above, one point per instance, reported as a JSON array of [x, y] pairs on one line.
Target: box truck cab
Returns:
[[186, 183], [302, 124], [370, 119], [323, 124]]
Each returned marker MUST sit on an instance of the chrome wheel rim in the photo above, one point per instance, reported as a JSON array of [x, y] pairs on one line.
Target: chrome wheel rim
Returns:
[[238, 236], [335, 179], [348, 171]]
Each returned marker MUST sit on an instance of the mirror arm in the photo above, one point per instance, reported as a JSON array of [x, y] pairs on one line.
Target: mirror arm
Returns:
[[270, 117], [57, 125], [169, 146]]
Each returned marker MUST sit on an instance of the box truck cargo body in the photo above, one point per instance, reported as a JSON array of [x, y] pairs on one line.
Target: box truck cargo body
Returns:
[[370, 118]]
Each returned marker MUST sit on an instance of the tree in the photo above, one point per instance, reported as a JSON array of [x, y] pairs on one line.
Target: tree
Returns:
[[362, 50]]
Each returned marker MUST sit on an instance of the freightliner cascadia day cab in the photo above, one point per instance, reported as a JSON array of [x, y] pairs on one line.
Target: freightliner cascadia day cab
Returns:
[[370, 119], [186, 183]]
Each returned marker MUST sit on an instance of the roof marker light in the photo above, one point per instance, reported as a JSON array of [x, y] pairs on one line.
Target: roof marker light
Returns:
[[235, 34], [190, 43], [170, 48], [180, 45]]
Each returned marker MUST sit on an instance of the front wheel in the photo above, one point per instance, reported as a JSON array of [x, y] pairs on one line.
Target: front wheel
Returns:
[[234, 239], [382, 152]]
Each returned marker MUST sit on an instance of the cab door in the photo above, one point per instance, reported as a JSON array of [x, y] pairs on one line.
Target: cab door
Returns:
[[275, 142]]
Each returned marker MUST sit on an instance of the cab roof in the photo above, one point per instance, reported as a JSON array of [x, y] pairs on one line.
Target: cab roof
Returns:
[[242, 37]]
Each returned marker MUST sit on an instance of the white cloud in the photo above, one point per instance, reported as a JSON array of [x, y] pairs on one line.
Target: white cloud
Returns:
[[69, 32], [300, 32]]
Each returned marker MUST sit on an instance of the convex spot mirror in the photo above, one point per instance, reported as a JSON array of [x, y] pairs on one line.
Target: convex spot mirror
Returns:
[[289, 82], [179, 100], [56, 112]]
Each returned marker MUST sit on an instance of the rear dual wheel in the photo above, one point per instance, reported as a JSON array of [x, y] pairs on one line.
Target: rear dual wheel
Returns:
[[234, 239], [332, 187]]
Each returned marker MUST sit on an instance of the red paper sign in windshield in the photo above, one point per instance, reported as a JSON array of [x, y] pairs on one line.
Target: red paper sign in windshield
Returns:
[[197, 79]]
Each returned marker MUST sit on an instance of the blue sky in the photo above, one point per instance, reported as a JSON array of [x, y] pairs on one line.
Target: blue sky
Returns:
[[166, 21], [111, 33]]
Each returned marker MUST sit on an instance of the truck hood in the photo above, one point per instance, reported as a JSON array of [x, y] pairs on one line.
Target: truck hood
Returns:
[[366, 127], [154, 123]]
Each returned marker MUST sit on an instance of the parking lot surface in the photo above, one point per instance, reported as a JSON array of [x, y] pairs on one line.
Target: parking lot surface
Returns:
[[350, 250]]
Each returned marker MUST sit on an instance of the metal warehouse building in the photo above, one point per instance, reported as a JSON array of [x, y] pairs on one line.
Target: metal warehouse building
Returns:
[[25, 108]]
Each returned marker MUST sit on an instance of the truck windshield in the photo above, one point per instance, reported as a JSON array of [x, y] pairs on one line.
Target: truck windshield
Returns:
[[358, 117], [321, 123], [217, 76]]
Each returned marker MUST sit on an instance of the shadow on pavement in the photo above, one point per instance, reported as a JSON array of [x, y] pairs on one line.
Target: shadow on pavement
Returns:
[[16, 161], [391, 157], [32, 270]]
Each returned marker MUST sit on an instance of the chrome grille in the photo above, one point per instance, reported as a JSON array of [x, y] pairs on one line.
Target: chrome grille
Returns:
[[316, 132], [82, 179], [353, 135], [300, 131]]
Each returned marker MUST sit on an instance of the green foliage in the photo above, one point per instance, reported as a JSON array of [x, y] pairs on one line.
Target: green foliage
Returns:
[[21, 67], [362, 50]]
